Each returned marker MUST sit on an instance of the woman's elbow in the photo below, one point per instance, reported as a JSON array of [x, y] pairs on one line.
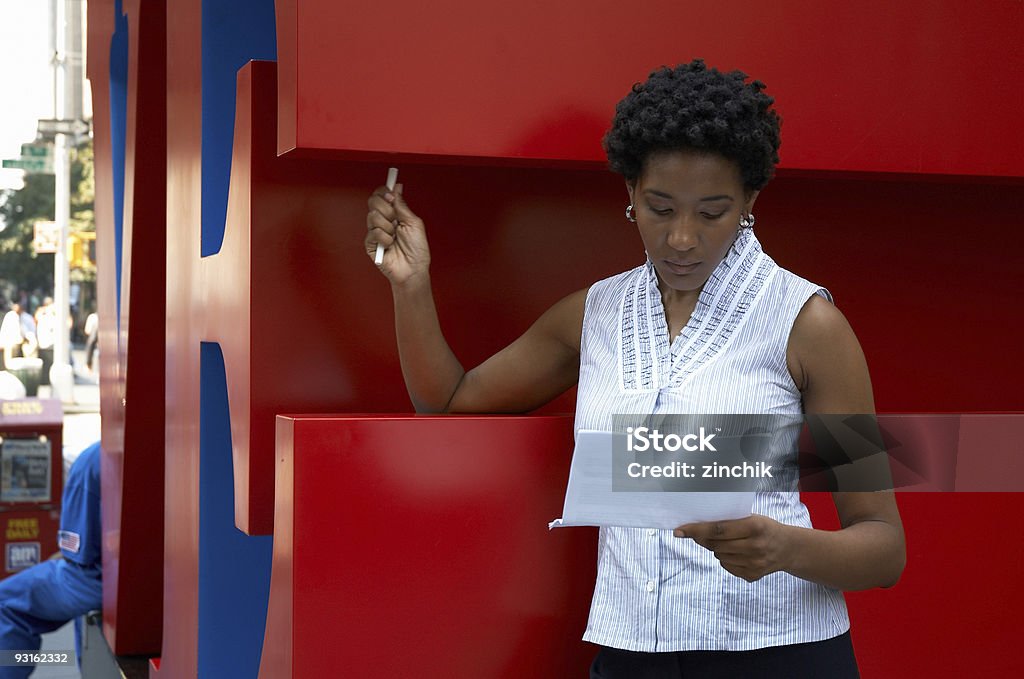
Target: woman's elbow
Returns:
[[896, 563]]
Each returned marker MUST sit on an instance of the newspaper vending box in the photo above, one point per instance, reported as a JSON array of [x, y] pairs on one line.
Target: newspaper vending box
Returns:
[[31, 481]]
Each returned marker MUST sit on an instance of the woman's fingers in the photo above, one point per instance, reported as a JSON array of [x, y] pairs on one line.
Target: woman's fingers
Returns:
[[376, 220], [391, 224], [406, 215], [379, 203], [379, 230], [381, 220], [375, 236], [388, 208]]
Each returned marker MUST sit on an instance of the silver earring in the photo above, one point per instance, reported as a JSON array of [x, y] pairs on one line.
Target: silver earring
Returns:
[[747, 221], [630, 213]]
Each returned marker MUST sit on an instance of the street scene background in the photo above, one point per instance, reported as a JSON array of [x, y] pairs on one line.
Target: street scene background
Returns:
[[45, 93]]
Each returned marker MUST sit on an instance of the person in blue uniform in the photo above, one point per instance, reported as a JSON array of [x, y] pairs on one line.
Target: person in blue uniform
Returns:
[[44, 597]]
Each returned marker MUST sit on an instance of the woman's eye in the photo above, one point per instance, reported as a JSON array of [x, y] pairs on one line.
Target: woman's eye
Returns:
[[708, 215], [661, 211]]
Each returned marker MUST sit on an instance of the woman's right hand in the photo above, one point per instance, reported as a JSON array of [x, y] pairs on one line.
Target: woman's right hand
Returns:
[[391, 223]]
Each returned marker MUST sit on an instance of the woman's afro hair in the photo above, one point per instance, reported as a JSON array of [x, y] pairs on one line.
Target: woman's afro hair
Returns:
[[693, 107]]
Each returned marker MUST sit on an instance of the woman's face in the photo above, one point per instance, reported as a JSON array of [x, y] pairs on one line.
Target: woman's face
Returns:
[[688, 208]]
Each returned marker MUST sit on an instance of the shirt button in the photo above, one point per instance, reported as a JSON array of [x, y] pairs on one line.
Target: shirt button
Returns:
[[652, 531], [650, 585]]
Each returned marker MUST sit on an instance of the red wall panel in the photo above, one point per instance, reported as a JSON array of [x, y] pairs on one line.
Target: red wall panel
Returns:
[[914, 86], [415, 546], [926, 272]]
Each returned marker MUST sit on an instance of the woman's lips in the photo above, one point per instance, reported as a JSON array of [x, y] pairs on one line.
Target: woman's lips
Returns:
[[681, 268]]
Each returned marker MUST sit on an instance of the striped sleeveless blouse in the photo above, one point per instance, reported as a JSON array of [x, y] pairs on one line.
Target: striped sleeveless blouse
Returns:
[[655, 592]]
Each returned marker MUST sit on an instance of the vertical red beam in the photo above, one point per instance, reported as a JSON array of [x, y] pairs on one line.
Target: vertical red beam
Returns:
[[142, 332], [227, 279], [132, 379], [101, 31], [279, 640], [181, 511]]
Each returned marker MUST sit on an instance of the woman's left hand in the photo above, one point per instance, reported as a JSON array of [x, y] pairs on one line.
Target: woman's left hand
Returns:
[[749, 548]]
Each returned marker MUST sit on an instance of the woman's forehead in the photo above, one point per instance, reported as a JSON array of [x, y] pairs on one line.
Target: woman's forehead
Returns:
[[691, 172]]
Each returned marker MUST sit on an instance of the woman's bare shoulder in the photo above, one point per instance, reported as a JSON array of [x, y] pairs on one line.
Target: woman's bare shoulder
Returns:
[[826, 360], [819, 324]]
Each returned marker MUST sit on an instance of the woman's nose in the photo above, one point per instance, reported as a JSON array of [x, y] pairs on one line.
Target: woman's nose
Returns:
[[682, 234]]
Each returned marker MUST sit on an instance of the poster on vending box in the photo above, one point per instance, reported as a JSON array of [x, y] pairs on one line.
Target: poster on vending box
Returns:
[[24, 470]]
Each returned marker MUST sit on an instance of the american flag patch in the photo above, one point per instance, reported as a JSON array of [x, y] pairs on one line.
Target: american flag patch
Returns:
[[69, 541]]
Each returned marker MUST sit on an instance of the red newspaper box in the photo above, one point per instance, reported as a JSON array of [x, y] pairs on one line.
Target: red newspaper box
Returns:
[[31, 481]]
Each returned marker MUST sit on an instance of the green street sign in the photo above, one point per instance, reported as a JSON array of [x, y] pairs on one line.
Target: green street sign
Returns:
[[36, 151], [30, 165]]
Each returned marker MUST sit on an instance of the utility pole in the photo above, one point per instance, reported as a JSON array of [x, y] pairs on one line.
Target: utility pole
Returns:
[[62, 378]]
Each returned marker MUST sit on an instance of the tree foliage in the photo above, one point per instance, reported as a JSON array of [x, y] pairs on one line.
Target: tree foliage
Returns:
[[20, 267]]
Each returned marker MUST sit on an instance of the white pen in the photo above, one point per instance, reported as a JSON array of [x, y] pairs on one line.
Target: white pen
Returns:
[[378, 257]]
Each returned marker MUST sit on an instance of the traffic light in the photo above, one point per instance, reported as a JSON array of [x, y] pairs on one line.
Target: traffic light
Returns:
[[82, 250]]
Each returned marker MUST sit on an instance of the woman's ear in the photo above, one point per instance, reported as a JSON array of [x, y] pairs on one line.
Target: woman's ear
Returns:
[[630, 187]]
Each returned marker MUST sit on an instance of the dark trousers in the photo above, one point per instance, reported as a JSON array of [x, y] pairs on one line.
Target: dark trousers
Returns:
[[90, 350], [828, 659], [46, 355]]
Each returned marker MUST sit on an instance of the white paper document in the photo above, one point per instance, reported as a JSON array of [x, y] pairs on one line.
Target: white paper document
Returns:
[[590, 500]]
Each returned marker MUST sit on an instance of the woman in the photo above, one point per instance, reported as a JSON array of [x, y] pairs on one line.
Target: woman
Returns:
[[709, 324]]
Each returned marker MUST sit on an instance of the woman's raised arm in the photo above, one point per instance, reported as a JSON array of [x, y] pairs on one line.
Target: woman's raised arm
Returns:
[[535, 368]]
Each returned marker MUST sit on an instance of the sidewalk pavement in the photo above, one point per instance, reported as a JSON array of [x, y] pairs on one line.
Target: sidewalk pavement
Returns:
[[62, 639], [85, 391]]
